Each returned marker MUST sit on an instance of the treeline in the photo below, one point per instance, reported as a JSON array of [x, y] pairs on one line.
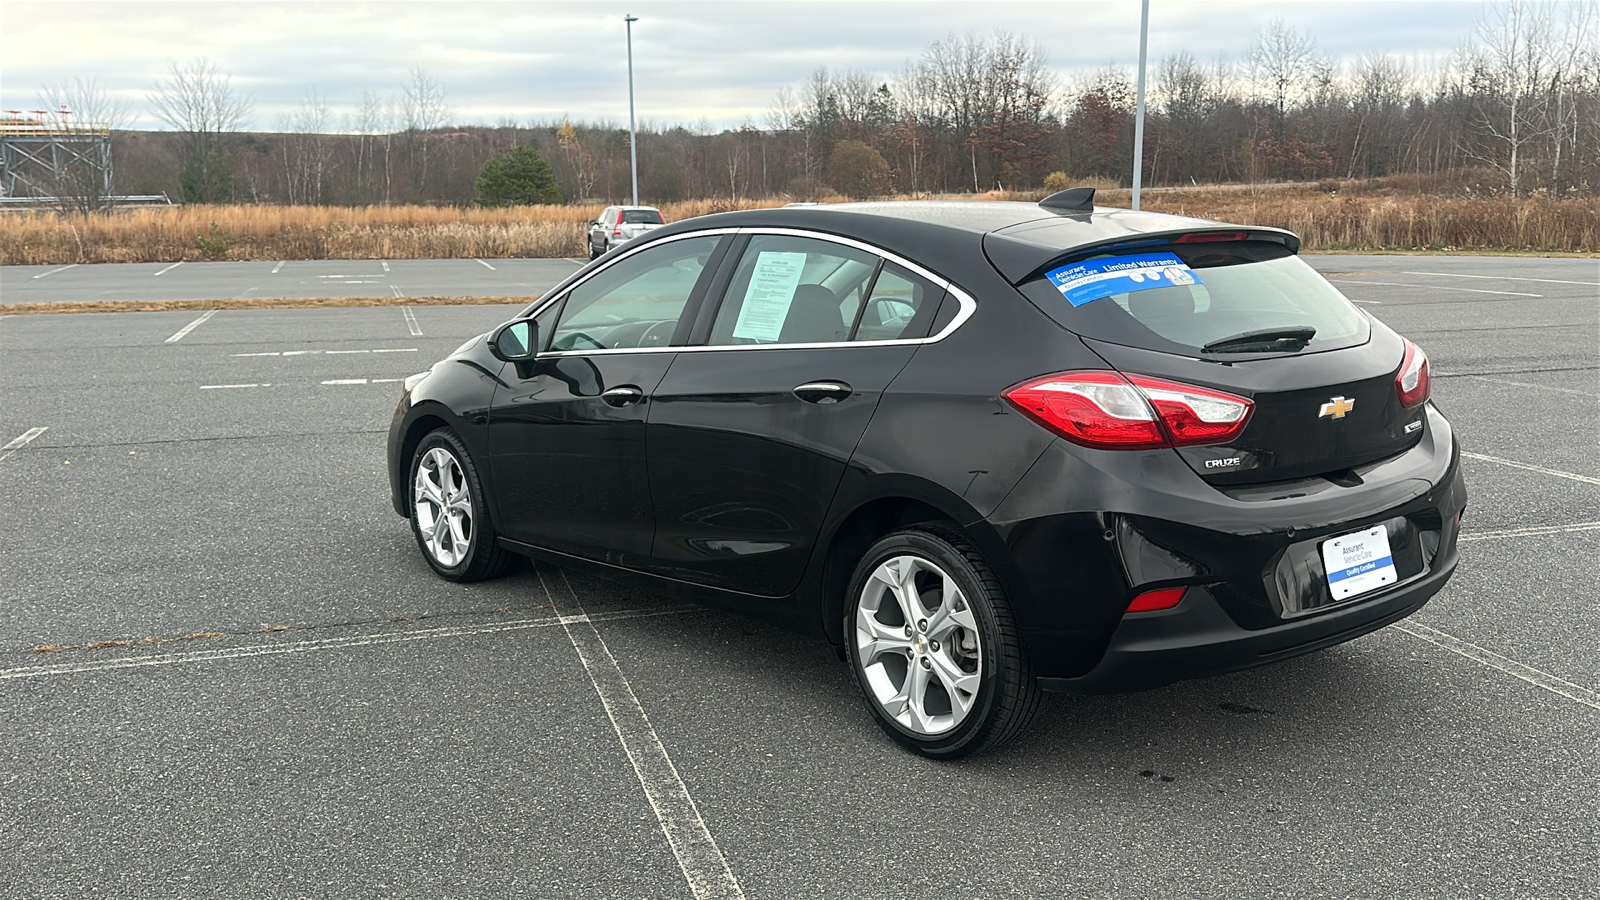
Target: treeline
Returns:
[[1516, 110]]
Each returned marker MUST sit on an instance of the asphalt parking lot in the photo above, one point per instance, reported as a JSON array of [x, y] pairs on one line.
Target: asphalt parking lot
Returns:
[[226, 671]]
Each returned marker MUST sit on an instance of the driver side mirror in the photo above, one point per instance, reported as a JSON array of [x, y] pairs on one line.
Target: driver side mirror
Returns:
[[516, 341]]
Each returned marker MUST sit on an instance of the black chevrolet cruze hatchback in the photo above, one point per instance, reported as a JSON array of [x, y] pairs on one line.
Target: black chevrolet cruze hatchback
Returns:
[[987, 449]]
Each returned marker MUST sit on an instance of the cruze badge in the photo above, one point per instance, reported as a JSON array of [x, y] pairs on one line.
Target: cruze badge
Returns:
[[1336, 408]]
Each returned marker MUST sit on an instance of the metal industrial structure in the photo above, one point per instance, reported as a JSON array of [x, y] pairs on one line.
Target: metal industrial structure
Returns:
[[45, 154], [48, 159]]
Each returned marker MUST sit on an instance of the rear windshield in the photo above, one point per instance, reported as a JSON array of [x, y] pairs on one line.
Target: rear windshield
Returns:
[[641, 217], [1214, 291]]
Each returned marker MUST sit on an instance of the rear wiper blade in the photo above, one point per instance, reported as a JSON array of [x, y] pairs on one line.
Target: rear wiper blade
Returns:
[[1266, 338]]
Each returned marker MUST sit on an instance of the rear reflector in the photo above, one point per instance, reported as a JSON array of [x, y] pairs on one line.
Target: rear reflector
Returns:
[[1413, 384], [1150, 601], [1208, 237], [1109, 411]]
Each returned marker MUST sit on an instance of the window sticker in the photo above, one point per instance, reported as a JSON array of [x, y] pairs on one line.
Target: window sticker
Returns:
[[1085, 281], [767, 299]]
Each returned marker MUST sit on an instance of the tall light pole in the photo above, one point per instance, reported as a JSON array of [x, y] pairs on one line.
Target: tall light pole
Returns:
[[633, 139], [1138, 116]]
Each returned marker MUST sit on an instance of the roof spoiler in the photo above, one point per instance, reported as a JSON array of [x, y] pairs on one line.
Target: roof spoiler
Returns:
[[1071, 200]]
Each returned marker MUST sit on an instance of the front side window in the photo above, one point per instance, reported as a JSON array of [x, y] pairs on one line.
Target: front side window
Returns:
[[793, 290], [636, 302]]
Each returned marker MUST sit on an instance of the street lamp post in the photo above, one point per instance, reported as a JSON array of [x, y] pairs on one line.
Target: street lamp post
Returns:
[[1138, 116], [633, 138]]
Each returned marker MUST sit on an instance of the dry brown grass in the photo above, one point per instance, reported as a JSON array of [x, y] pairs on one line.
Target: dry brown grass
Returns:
[[1326, 220]]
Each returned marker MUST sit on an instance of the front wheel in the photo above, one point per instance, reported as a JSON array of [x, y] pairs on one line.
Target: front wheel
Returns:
[[449, 513], [933, 646]]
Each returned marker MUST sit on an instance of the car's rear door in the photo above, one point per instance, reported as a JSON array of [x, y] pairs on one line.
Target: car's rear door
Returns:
[[750, 431], [567, 433]]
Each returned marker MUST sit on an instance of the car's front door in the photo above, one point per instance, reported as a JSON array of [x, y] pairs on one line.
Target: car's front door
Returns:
[[566, 433], [751, 430]]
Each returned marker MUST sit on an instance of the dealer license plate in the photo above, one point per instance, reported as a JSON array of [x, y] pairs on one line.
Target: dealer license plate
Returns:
[[1359, 562]]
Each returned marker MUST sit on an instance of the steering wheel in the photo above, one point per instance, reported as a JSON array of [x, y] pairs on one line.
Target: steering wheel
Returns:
[[658, 334], [576, 336]]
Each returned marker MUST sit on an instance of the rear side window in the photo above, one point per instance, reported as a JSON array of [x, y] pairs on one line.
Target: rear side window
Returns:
[[641, 217], [1233, 288], [793, 290], [902, 305]]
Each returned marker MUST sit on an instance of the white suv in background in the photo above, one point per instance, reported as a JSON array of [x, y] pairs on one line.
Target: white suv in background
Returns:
[[620, 224]]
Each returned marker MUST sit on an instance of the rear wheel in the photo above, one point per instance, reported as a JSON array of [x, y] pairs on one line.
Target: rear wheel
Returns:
[[593, 252], [933, 646], [449, 514]]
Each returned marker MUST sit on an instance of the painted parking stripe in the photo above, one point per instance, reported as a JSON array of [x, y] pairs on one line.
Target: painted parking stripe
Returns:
[[1439, 287], [191, 326], [1534, 531], [227, 387], [53, 271], [1504, 278], [1493, 660], [411, 319], [22, 440], [1529, 384], [325, 352], [385, 263], [365, 640], [169, 268], [701, 860], [276, 267], [346, 381], [485, 265], [1531, 467]]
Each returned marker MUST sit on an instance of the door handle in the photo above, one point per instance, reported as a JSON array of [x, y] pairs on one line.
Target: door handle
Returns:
[[823, 391], [627, 395]]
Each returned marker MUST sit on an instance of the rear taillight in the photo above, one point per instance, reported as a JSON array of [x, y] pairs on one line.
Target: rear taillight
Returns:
[[617, 231], [1111, 411], [1413, 383]]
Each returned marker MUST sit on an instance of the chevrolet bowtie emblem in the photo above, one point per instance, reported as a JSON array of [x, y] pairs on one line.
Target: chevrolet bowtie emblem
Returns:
[[1336, 408]]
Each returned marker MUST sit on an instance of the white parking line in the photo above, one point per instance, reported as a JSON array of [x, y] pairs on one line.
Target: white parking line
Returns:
[[1494, 660], [1528, 384], [53, 271], [411, 320], [170, 268], [1533, 531], [367, 640], [699, 857], [485, 265], [224, 387], [1531, 468], [346, 381], [277, 267], [1438, 287], [385, 263], [22, 440], [396, 291], [191, 326], [1504, 278]]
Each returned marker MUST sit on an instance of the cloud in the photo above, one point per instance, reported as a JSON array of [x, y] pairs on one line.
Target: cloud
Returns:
[[721, 62]]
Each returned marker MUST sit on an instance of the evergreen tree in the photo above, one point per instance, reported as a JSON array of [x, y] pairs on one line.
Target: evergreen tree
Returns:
[[518, 178]]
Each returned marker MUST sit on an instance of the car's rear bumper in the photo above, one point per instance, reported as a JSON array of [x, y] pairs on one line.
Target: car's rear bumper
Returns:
[[1197, 638]]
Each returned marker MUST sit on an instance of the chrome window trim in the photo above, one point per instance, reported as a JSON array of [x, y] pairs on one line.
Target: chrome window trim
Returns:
[[967, 304]]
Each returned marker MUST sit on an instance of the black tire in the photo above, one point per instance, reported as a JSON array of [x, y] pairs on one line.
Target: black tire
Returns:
[[483, 557], [1007, 696], [593, 253]]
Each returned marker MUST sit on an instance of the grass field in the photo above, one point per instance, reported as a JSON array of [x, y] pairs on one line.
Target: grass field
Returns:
[[1325, 219]]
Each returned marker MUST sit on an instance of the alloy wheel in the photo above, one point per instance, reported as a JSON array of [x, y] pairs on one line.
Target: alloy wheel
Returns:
[[917, 644], [443, 507]]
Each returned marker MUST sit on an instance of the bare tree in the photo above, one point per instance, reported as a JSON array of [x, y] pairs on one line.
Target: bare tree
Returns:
[[1282, 64], [85, 117], [201, 105], [424, 108], [306, 151], [1507, 75]]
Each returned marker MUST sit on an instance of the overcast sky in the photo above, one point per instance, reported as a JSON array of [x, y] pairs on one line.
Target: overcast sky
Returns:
[[720, 62]]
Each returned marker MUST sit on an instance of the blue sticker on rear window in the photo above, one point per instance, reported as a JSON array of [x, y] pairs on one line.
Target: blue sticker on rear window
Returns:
[[1085, 281]]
